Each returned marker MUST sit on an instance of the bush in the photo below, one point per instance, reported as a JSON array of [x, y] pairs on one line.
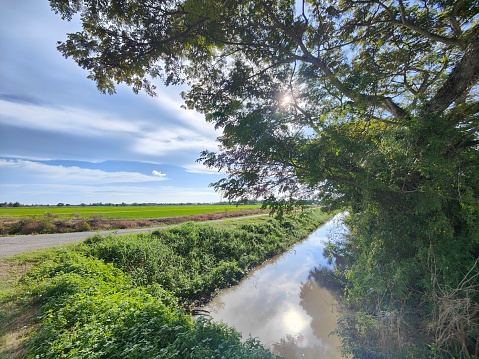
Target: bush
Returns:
[[91, 310], [194, 260]]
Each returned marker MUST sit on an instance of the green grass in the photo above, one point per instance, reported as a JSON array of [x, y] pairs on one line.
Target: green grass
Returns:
[[194, 260], [128, 212], [128, 296]]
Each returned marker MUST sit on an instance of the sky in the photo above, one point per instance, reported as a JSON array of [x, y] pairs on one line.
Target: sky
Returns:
[[61, 140]]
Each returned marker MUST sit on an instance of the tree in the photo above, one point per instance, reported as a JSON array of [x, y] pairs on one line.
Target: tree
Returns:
[[360, 103]]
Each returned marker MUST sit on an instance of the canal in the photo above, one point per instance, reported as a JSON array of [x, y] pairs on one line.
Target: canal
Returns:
[[282, 303]]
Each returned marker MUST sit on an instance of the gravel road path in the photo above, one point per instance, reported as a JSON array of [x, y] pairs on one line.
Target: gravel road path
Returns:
[[17, 244]]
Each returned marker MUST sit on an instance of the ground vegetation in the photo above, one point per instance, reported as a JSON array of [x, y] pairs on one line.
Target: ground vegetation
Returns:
[[134, 296]]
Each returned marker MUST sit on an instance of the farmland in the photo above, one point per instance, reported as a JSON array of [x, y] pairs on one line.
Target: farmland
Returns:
[[128, 212], [64, 219]]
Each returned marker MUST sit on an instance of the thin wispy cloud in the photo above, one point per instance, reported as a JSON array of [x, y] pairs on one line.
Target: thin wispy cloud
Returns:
[[74, 174], [141, 136], [171, 140], [201, 169], [67, 119], [187, 118]]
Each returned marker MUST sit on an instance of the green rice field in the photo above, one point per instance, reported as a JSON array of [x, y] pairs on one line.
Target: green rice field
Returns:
[[129, 212]]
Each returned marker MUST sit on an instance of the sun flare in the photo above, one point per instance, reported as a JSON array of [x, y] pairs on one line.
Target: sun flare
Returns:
[[286, 100]]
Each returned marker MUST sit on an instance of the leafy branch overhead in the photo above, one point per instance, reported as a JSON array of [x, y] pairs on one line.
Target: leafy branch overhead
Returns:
[[366, 104], [344, 43], [369, 60]]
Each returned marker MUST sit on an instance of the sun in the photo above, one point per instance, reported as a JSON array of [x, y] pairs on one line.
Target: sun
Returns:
[[286, 100]]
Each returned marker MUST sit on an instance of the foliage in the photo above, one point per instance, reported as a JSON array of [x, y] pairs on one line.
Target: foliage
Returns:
[[372, 105], [31, 225], [17, 310], [91, 310], [194, 260]]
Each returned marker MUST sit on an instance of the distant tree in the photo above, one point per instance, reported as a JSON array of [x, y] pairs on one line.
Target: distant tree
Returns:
[[367, 104], [60, 204]]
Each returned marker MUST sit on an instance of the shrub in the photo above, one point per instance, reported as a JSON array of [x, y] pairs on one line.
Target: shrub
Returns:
[[91, 310], [194, 260]]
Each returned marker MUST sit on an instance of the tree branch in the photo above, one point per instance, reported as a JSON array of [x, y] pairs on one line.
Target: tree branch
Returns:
[[452, 19], [406, 23], [384, 102], [462, 78], [429, 35]]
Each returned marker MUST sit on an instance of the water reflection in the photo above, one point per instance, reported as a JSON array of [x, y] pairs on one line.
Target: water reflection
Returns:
[[285, 303]]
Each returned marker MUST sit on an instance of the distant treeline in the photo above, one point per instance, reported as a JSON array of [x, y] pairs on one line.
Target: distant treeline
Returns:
[[11, 204], [123, 204]]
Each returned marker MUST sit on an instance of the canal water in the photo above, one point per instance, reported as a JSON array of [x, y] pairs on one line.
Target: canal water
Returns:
[[283, 305]]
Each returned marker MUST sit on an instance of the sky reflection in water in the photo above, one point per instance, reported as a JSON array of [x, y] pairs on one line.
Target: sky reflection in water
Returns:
[[282, 304]]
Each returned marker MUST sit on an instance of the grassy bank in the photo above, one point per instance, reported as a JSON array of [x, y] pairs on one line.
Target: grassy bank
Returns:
[[129, 296]]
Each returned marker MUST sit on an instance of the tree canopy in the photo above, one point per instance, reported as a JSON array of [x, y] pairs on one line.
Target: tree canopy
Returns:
[[275, 74], [367, 104]]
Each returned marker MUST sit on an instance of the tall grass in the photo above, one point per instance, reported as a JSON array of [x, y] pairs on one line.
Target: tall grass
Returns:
[[91, 310]]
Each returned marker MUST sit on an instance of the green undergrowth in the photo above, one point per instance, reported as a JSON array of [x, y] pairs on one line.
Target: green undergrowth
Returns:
[[90, 309], [129, 296], [194, 260]]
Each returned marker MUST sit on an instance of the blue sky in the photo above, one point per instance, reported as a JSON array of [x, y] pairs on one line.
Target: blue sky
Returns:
[[61, 140]]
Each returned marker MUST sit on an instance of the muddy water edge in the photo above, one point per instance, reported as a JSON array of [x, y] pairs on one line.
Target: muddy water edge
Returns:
[[283, 304]]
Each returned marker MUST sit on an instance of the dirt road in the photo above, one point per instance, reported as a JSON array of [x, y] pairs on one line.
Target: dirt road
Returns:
[[17, 244]]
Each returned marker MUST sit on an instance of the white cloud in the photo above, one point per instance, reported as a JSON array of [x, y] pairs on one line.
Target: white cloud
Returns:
[[158, 173], [65, 119], [73, 174], [138, 136], [188, 118], [170, 140]]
